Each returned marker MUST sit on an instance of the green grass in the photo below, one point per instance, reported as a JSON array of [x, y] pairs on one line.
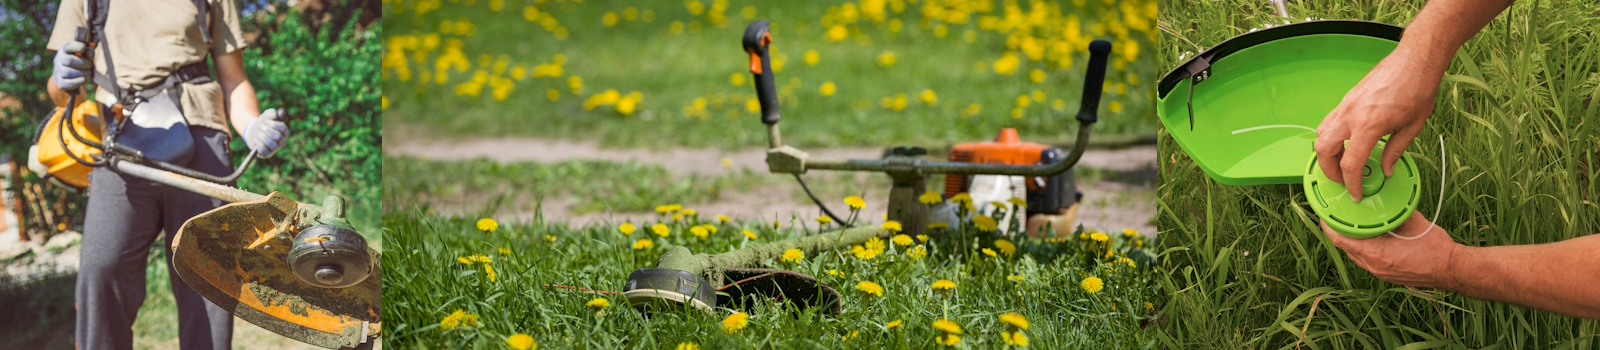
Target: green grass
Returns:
[[672, 70], [1250, 268], [599, 185], [424, 283]]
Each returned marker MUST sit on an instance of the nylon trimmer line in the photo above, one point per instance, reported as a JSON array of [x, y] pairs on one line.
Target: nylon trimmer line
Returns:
[[1436, 208]]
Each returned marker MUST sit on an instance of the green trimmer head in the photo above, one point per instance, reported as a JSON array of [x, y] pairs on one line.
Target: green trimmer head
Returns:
[[1247, 110]]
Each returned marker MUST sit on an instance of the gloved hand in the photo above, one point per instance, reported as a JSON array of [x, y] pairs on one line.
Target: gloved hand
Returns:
[[71, 71], [266, 134]]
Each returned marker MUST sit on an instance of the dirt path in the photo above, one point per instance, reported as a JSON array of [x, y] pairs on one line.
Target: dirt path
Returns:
[[1123, 198]]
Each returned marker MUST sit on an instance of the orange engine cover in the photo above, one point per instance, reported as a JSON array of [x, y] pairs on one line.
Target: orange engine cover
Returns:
[[1045, 194]]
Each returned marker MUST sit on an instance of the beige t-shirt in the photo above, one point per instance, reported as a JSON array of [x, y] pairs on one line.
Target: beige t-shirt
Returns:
[[148, 39]]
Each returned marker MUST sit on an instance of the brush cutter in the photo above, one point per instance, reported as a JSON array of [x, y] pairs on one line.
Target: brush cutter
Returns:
[[297, 269], [682, 278]]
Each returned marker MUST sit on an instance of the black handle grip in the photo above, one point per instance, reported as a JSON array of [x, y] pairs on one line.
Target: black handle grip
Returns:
[[756, 43], [1089, 110]]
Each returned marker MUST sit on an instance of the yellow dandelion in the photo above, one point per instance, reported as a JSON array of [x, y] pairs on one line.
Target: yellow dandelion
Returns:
[[464, 260], [735, 322], [660, 230], [504, 251], [1099, 237], [892, 324], [929, 198], [598, 303], [482, 258], [870, 288], [1019, 202], [886, 59], [488, 225], [687, 346], [937, 226], [723, 218], [1114, 106], [552, 95], [609, 19], [751, 235], [812, 57], [835, 273], [855, 202], [643, 243], [985, 223], [1092, 284], [452, 321], [943, 285], [1014, 338], [699, 232], [521, 341], [989, 252], [923, 238], [902, 240], [837, 33], [824, 219], [1007, 64], [827, 89], [549, 238], [489, 270], [689, 212], [1037, 76], [962, 197], [1130, 233], [893, 226], [1149, 307], [948, 339], [1015, 320], [736, 79], [947, 326], [1006, 247], [852, 335], [1015, 278], [576, 83], [792, 255], [930, 98], [626, 228], [917, 252]]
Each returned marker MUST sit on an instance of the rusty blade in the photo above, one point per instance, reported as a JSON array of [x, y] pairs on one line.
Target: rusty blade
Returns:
[[236, 255]]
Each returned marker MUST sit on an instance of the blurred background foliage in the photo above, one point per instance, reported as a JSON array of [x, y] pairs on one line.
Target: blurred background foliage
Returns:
[[316, 59]]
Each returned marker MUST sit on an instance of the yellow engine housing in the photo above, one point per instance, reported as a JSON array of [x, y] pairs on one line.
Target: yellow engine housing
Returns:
[[50, 160]]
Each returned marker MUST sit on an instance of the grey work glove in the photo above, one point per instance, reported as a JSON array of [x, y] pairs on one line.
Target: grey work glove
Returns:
[[71, 71], [266, 134]]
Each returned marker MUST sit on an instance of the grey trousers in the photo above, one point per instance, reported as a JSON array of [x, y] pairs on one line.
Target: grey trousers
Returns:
[[125, 215]]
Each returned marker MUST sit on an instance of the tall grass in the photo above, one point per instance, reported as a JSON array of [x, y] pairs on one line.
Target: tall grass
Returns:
[[1249, 266], [424, 283]]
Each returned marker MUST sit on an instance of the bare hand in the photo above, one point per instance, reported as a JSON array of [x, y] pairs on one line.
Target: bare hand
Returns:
[[1394, 99], [1422, 263]]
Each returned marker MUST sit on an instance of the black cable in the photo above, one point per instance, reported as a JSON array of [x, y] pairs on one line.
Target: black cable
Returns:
[[818, 201]]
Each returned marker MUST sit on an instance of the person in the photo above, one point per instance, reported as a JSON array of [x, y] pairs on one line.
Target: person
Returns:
[[1395, 99], [149, 41]]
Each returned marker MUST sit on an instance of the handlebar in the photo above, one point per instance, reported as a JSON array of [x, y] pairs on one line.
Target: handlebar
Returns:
[[757, 40]]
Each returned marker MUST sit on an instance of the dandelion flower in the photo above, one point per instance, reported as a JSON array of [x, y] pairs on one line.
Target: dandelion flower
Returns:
[[1015, 320], [855, 202], [521, 341], [1130, 233], [687, 346], [660, 230], [943, 285], [838, 33], [736, 79], [825, 219], [948, 339], [812, 57], [735, 322], [1019, 202], [930, 98], [609, 19], [1149, 307], [929, 198], [626, 228], [894, 226], [870, 288], [489, 270], [1014, 338], [488, 225], [550, 238], [792, 255], [962, 197], [985, 223], [917, 252], [699, 232], [668, 208], [947, 326], [481, 258], [598, 303], [1099, 237], [852, 335], [827, 89], [504, 251], [1007, 65], [1015, 278], [1006, 247], [1114, 106], [835, 273], [723, 218], [886, 59], [989, 252], [1092, 284], [902, 240], [892, 324], [643, 243], [751, 235], [464, 260], [1037, 76], [689, 211]]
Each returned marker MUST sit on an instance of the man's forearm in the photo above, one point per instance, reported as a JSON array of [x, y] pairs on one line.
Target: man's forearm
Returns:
[[1441, 27], [1559, 277], [241, 104]]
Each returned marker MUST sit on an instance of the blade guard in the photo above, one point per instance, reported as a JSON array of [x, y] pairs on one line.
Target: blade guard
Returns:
[[236, 257]]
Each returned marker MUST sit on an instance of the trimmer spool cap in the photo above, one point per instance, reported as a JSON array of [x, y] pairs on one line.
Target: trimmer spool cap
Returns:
[[1385, 202]]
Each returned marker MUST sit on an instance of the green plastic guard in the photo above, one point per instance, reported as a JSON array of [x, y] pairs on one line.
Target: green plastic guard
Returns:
[[1385, 203]]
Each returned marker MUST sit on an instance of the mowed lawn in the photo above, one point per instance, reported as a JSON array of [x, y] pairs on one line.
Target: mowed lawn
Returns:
[[1251, 269], [873, 73]]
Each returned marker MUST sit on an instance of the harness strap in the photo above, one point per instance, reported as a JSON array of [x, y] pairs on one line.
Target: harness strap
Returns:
[[193, 73]]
